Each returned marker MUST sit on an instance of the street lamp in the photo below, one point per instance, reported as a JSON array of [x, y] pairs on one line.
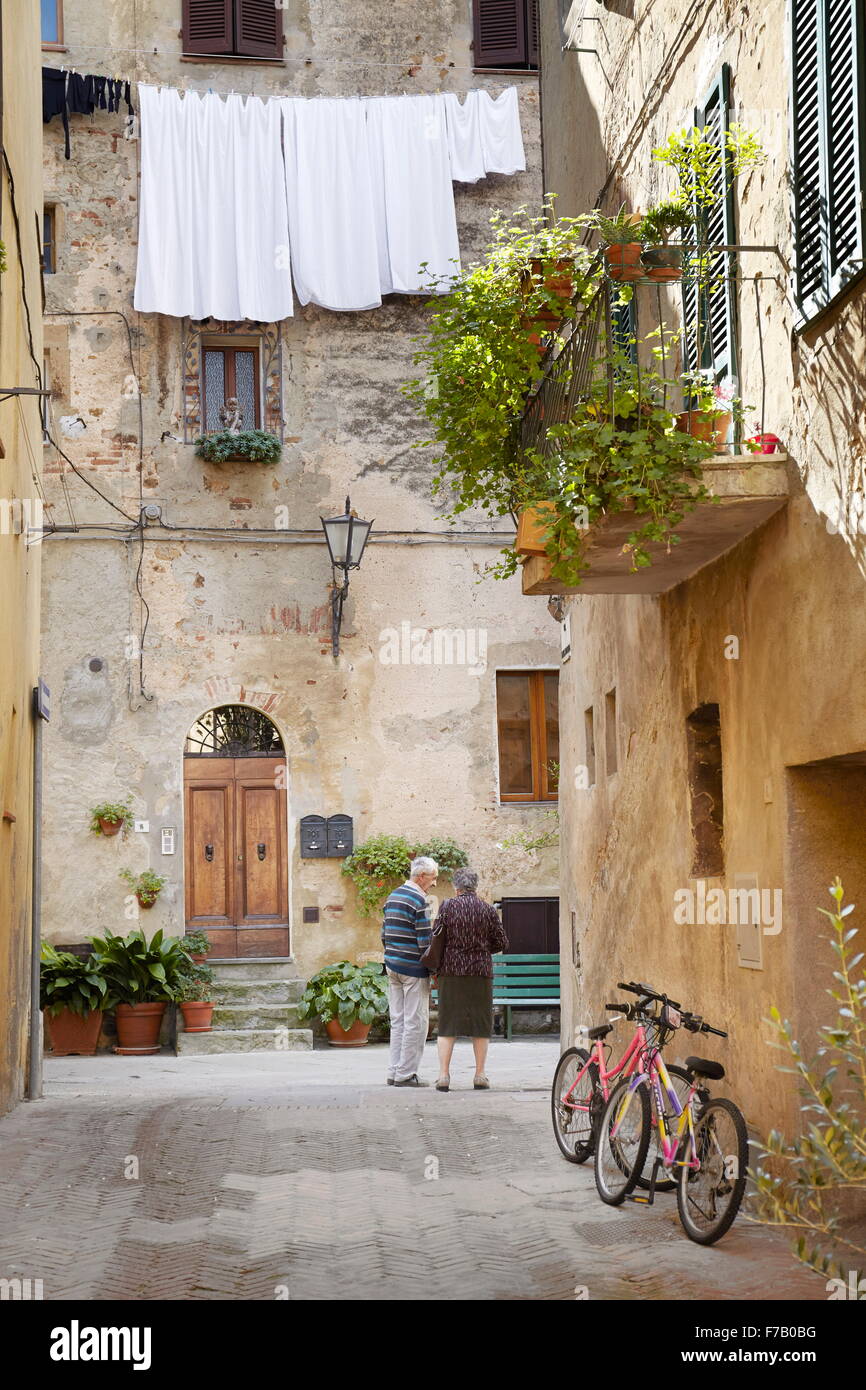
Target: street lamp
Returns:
[[346, 537]]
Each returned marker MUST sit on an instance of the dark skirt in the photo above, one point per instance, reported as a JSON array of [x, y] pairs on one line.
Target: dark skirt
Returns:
[[465, 1006]]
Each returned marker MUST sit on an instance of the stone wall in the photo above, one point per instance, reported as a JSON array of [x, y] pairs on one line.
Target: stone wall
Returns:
[[402, 748]]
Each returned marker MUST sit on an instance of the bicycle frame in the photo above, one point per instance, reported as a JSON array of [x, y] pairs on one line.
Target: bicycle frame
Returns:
[[656, 1076], [631, 1059]]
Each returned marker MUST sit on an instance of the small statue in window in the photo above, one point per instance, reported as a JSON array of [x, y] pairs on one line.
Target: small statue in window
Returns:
[[231, 416]]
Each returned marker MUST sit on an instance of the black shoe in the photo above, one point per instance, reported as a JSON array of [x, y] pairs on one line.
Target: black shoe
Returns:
[[390, 1081], [411, 1081]]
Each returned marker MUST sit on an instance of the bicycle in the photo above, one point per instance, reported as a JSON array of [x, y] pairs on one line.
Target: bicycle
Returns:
[[707, 1142], [581, 1089]]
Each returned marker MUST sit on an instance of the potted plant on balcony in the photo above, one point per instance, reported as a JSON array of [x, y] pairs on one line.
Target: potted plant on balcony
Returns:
[[661, 260], [72, 992], [146, 886], [194, 995], [348, 999], [111, 818], [621, 243], [142, 977], [248, 446]]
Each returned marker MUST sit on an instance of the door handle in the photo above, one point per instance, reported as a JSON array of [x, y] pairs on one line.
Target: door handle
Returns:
[[208, 853], [260, 850]]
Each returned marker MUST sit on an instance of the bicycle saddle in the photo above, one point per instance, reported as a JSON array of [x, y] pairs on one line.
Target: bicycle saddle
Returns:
[[701, 1066], [600, 1032]]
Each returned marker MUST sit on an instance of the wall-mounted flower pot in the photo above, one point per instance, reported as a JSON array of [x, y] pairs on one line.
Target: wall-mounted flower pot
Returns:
[[663, 263], [109, 827], [73, 1035], [532, 523], [144, 902], [138, 1028], [710, 425], [623, 260], [197, 1015], [356, 1036], [767, 443]]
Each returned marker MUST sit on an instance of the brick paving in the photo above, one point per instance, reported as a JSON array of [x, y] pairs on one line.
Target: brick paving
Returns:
[[305, 1176]]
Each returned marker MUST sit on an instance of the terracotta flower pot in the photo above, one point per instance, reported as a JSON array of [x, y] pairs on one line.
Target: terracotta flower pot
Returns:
[[623, 260], [710, 425], [199, 957], [145, 902], [74, 1035], [109, 827], [356, 1036], [197, 1015], [663, 263], [561, 284], [767, 443], [138, 1028]]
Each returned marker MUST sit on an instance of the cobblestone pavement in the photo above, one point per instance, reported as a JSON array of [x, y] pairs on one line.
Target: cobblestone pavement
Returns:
[[304, 1173]]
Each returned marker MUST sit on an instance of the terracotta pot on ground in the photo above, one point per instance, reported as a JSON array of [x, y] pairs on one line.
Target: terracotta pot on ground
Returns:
[[197, 1015], [73, 1035], [356, 1036], [532, 523], [768, 443], [110, 827], [138, 1028], [663, 263], [710, 425], [623, 260]]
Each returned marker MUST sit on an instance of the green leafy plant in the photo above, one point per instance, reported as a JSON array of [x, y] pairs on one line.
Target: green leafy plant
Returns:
[[382, 862], [138, 971], [806, 1185], [256, 445], [347, 993], [2, 256], [146, 886], [194, 984], [197, 943], [660, 223], [68, 981], [623, 229], [112, 812]]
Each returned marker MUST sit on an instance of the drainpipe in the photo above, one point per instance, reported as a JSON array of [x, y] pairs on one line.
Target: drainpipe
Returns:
[[40, 713]]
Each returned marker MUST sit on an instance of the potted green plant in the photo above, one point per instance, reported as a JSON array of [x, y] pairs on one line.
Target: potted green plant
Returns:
[[621, 243], [661, 260], [111, 817], [197, 945], [713, 407], [249, 446], [72, 992], [146, 886], [348, 999], [141, 977], [193, 994]]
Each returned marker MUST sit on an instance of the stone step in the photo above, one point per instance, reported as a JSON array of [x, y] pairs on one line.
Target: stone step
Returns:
[[245, 1040], [255, 1016], [254, 968], [243, 992]]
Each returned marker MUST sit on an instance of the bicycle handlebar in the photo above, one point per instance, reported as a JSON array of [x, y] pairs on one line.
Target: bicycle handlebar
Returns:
[[693, 1022]]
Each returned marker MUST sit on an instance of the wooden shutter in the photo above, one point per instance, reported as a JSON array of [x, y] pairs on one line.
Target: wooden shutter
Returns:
[[258, 29], [828, 119], [207, 26], [500, 33], [532, 35], [711, 344]]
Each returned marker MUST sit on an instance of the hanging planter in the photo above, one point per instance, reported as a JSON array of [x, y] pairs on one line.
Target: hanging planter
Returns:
[[146, 886], [250, 446], [111, 817]]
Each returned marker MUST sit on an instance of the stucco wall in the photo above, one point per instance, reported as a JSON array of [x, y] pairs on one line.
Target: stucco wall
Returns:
[[792, 594], [402, 748], [21, 436]]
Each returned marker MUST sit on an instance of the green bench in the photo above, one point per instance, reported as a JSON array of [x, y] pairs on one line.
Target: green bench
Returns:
[[523, 982]]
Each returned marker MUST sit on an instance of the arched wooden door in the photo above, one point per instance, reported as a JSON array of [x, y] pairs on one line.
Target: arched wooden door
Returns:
[[235, 835]]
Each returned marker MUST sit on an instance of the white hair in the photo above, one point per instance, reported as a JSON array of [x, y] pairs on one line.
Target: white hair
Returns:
[[423, 865], [465, 880]]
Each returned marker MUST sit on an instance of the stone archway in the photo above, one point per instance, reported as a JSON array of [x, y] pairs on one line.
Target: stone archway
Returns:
[[235, 837]]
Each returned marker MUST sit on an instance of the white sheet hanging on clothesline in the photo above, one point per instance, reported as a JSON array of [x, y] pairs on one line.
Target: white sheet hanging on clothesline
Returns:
[[357, 191], [213, 208]]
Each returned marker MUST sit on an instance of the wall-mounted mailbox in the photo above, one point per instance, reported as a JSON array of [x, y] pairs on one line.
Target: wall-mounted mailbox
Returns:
[[314, 837], [340, 836]]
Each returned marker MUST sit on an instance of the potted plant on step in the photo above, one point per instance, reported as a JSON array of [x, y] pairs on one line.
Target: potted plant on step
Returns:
[[621, 243], [142, 977], [661, 260], [712, 408], [111, 817], [348, 999], [197, 945], [146, 886], [193, 994], [72, 992]]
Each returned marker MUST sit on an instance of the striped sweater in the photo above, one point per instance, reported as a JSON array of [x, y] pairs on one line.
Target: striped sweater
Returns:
[[406, 931]]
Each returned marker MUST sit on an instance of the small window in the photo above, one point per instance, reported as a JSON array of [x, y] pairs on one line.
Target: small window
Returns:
[[528, 724], [610, 732], [706, 802], [52, 23], [589, 745], [506, 34], [49, 244], [233, 28], [231, 386]]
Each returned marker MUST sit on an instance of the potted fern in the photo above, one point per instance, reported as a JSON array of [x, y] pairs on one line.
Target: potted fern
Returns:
[[72, 992]]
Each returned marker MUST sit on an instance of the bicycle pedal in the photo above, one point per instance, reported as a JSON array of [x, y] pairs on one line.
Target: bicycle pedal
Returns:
[[644, 1201]]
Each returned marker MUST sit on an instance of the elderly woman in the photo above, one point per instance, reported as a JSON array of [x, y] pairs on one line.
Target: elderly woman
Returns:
[[473, 932]]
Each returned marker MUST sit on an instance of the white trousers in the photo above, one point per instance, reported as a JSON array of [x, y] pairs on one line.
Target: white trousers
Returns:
[[409, 1007]]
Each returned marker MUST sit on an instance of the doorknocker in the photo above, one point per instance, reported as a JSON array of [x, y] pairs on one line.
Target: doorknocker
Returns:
[[261, 851], [208, 853]]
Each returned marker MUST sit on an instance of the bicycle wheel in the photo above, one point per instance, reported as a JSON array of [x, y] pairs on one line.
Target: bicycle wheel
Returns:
[[682, 1085], [574, 1129], [709, 1197], [619, 1157]]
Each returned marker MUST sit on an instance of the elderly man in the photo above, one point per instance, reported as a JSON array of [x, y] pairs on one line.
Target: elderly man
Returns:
[[406, 935]]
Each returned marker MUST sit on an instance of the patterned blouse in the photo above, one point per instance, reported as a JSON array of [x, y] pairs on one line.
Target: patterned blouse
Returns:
[[472, 931]]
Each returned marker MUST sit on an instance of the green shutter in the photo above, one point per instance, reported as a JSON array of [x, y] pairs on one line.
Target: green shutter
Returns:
[[623, 324], [828, 136], [712, 343]]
